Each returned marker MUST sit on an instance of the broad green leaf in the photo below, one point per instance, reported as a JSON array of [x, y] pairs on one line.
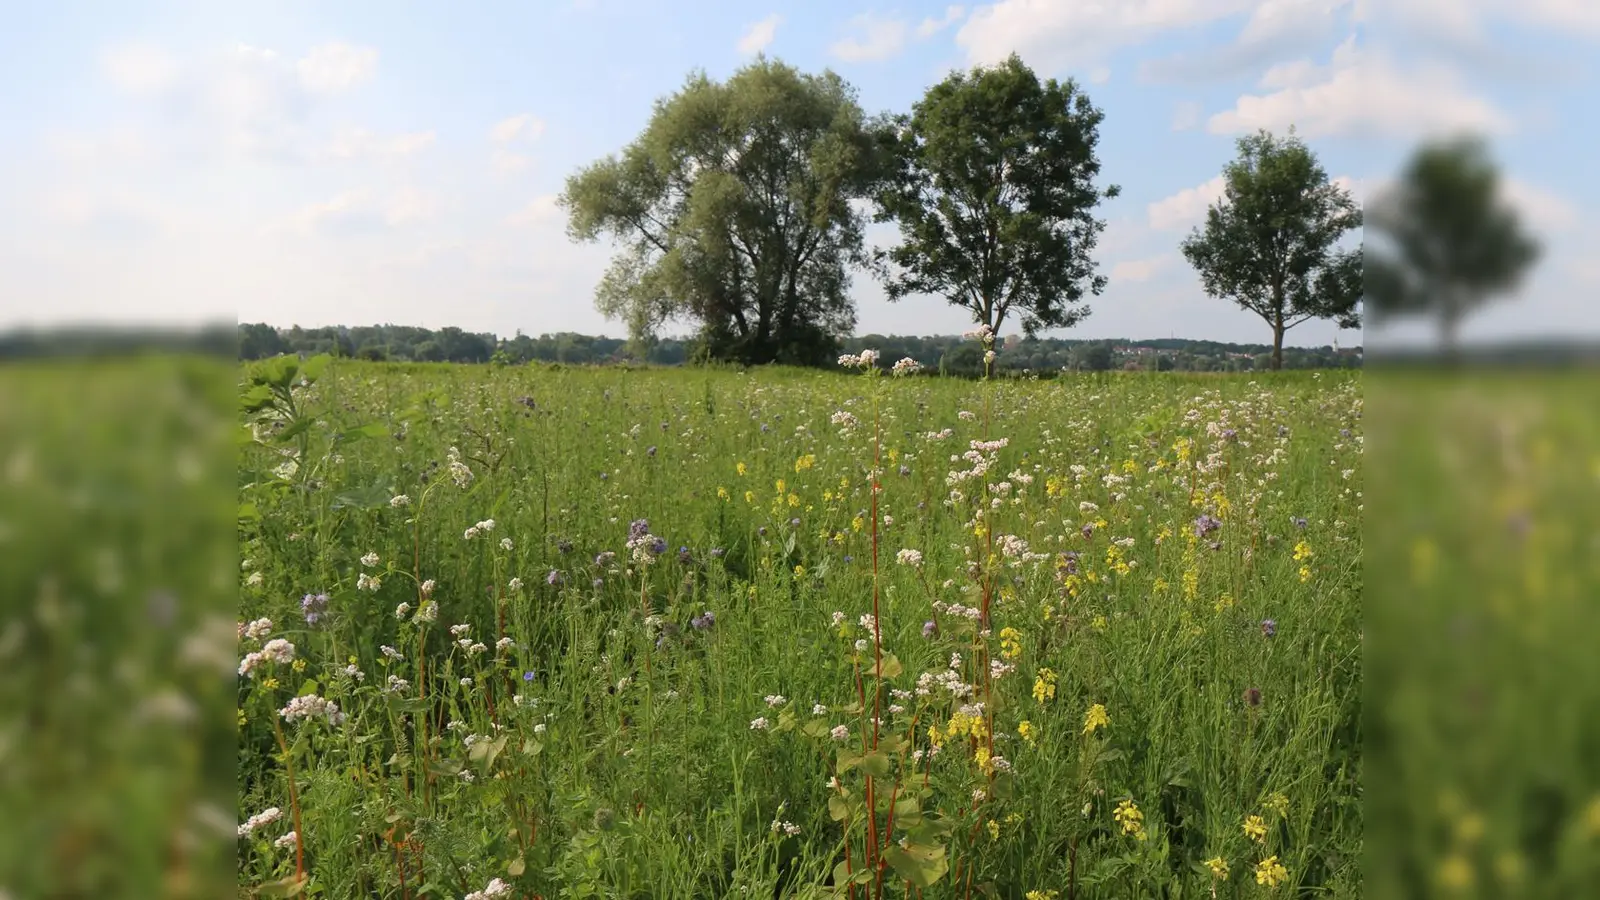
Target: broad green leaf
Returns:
[[876, 764], [290, 886], [890, 666], [920, 864]]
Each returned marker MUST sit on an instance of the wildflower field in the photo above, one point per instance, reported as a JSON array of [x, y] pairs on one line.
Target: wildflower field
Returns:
[[541, 632]]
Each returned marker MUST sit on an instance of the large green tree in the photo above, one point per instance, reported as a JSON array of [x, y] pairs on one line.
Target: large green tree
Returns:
[[993, 190], [733, 211], [1270, 243], [1445, 242]]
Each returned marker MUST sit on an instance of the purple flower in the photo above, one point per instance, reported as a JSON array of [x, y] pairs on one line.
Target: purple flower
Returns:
[[928, 628], [1229, 434], [1069, 562], [848, 558], [1088, 530], [555, 578], [762, 531], [638, 528], [905, 470], [599, 583], [527, 676], [1205, 525], [684, 556], [528, 402], [704, 621], [650, 451], [1269, 627], [765, 428], [658, 546], [1299, 522], [794, 523], [312, 606], [564, 546]]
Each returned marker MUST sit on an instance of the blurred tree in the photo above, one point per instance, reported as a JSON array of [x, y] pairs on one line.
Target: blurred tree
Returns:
[[993, 190], [1445, 240], [1268, 244], [733, 211]]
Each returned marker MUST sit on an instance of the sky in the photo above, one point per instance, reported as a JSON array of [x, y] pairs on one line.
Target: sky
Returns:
[[316, 162]]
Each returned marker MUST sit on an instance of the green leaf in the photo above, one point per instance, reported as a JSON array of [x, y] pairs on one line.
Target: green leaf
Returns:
[[816, 728], [848, 759], [290, 886], [484, 752], [890, 666], [516, 867], [309, 687], [920, 864], [447, 768], [249, 513], [838, 808], [876, 764], [362, 498], [294, 429], [312, 370]]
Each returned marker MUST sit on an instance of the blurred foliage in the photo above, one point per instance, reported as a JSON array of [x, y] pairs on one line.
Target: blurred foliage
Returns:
[[117, 636], [1483, 574]]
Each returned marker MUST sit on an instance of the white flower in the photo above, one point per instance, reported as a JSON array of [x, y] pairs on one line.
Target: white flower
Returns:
[[370, 560], [427, 612], [495, 888], [399, 500], [819, 710], [907, 366], [840, 732], [909, 557], [506, 545], [759, 724], [401, 610], [775, 700], [862, 645], [256, 630], [265, 817], [988, 357], [255, 579], [838, 618], [427, 588], [308, 705], [367, 582], [514, 585], [288, 840]]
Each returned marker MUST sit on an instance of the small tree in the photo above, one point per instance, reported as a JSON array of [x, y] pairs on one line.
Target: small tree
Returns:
[[993, 190], [1268, 244], [1446, 241]]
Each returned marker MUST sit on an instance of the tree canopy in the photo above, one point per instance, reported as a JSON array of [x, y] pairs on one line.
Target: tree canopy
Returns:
[[993, 191], [732, 211], [1269, 243], [1446, 242]]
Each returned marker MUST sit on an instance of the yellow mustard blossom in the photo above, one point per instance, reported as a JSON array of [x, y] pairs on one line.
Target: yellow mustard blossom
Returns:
[[1010, 643], [1027, 732], [794, 500], [799, 570], [750, 497], [827, 496], [778, 486], [1160, 586], [981, 757], [857, 523], [1130, 818], [1278, 803], [1044, 686], [299, 665], [1255, 829], [1455, 873], [1055, 487], [935, 737], [1013, 818], [1270, 872], [1302, 551], [994, 830], [270, 683], [1305, 574], [740, 468], [894, 455], [804, 463], [722, 493], [1095, 719], [1041, 895], [243, 718], [1218, 867], [1098, 623]]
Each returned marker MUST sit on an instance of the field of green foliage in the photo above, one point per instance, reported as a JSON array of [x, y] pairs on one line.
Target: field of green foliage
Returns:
[[542, 632]]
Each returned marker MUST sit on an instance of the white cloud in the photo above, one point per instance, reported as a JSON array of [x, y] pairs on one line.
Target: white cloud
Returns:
[[875, 39], [140, 68], [1055, 34], [1099, 75], [1186, 116], [932, 26], [1274, 29], [523, 126], [1187, 207], [1361, 93], [359, 143], [539, 211], [1542, 209], [363, 211], [1137, 270], [759, 35], [337, 67]]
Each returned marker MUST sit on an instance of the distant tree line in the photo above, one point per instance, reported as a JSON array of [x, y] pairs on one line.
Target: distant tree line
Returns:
[[951, 354]]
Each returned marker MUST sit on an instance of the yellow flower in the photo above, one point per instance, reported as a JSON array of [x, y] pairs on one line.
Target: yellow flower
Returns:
[[299, 665], [1455, 873], [794, 500], [1130, 818], [1026, 731], [857, 523], [1302, 551], [1041, 895], [1096, 718], [1098, 623], [1044, 687], [1278, 803], [1010, 643], [1218, 867], [1591, 817], [804, 463], [1013, 818], [740, 468], [270, 683], [1270, 872], [994, 830], [778, 486], [1255, 829], [243, 718], [981, 757], [1305, 574], [750, 497], [799, 570]]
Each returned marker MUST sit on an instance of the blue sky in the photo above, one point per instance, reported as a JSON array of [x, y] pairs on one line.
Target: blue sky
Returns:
[[312, 163]]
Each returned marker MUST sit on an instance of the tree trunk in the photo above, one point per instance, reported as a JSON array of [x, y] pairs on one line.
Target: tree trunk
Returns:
[[1277, 344]]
